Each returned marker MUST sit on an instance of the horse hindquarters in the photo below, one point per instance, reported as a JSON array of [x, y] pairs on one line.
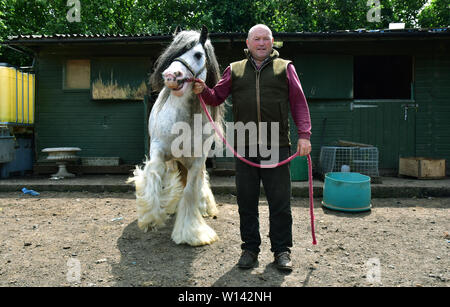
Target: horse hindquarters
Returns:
[[158, 190]]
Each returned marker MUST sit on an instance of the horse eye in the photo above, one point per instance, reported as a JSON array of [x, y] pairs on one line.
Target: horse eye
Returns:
[[198, 55]]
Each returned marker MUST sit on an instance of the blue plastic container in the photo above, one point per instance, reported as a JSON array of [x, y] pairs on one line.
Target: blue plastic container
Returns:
[[23, 160], [347, 192]]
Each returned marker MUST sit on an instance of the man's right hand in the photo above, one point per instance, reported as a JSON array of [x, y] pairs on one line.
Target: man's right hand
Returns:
[[199, 86]]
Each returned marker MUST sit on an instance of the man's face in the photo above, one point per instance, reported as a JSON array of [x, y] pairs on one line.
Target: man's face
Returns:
[[260, 44]]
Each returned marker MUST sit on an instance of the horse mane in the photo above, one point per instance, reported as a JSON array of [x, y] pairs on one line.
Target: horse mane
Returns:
[[182, 42]]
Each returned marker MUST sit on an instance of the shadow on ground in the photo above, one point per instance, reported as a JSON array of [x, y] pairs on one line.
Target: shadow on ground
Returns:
[[152, 258], [262, 276]]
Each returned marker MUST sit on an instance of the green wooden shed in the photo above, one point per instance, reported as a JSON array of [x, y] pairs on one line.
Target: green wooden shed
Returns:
[[388, 88]]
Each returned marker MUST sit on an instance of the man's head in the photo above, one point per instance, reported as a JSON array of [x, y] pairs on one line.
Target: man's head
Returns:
[[260, 42]]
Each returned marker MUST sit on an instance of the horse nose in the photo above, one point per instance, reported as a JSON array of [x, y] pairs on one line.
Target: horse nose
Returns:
[[172, 75]]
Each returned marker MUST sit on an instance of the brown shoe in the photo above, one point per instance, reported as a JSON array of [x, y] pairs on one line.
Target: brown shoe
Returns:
[[248, 260], [283, 261]]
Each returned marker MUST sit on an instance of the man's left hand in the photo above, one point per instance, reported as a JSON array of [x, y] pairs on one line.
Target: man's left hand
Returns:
[[304, 147]]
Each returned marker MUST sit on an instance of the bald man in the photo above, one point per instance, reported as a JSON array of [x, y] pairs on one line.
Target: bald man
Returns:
[[264, 88]]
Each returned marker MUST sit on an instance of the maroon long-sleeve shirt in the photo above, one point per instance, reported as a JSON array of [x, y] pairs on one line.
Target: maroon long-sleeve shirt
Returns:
[[297, 100]]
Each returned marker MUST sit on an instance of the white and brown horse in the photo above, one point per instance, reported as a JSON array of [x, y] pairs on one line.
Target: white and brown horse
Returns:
[[173, 183]]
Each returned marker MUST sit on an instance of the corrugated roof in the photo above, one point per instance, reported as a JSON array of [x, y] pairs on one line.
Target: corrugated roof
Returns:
[[69, 35], [363, 33], [56, 37]]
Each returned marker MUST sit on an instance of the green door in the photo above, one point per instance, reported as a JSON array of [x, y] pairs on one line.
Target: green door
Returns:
[[383, 110], [389, 125]]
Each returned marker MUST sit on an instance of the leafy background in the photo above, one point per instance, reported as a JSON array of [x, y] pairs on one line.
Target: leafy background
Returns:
[[24, 17]]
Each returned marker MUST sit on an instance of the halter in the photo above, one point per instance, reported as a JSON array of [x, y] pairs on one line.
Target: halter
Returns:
[[186, 64]]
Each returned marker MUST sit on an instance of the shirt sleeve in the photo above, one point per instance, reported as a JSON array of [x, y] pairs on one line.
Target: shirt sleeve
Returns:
[[298, 104], [217, 95]]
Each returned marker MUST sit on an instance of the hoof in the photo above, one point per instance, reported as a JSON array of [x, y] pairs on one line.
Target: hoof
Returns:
[[204, 235]]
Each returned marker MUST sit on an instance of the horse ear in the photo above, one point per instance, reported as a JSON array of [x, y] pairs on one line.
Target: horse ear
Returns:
[[177, 30], [203, 35]]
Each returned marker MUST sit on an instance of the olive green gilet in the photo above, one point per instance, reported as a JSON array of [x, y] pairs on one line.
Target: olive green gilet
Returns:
[[261, 96]]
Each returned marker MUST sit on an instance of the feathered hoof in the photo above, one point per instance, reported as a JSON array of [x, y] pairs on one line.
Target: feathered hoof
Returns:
[[145, 227], [157, 195], [203, 235]]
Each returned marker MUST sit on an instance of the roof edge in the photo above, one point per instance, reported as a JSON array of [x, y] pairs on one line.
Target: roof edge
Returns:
[[229, 36]]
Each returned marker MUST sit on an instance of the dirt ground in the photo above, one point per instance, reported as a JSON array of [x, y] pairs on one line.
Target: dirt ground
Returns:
[[86, 239]]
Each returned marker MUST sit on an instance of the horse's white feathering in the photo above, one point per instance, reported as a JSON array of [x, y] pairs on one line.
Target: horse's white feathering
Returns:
[[156, 197]]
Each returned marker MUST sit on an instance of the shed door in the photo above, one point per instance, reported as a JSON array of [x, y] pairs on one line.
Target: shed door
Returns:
[[388, 125], [383, 109]]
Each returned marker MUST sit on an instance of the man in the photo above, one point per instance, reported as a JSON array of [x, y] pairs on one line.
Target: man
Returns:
[[263, 88]]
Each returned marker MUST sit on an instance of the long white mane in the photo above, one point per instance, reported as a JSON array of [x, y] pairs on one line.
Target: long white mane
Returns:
[[181, 43]]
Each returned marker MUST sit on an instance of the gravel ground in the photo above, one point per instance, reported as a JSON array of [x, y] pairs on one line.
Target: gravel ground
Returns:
[[86, 239]]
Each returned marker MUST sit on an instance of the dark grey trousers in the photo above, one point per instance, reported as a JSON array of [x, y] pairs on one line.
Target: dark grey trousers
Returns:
[[277, 186]]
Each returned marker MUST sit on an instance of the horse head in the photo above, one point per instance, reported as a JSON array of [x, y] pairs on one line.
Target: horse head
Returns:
[[188, 66]]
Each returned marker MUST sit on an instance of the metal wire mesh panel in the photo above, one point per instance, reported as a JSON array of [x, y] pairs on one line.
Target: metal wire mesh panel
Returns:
[[362, 160]]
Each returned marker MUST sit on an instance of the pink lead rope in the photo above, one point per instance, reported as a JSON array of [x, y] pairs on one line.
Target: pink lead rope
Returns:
[[311, 200]]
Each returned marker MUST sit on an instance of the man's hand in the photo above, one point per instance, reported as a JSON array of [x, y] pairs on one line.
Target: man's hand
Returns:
[[199, 86], [304, 147]]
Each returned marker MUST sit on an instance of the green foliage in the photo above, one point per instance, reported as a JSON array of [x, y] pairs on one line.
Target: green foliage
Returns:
[[2, 15], [162, 16], [437, 14], [25, 17], [402, 11]]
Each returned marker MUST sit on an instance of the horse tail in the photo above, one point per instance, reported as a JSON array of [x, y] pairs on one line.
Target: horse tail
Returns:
[[158, 191]]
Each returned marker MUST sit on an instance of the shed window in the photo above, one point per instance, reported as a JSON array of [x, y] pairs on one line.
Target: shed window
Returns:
[[382, 77], [77, 74]]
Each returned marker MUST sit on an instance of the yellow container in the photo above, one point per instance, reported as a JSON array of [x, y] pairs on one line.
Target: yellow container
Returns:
[[17, 99], [30, 98], [6, 83]]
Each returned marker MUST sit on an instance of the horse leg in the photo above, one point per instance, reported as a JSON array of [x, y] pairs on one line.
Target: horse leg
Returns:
[[157, 191], [208, 206], [183, 173], [190, 227], [173, 186]]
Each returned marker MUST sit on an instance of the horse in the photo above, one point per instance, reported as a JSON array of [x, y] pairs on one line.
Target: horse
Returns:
[[169, 183]]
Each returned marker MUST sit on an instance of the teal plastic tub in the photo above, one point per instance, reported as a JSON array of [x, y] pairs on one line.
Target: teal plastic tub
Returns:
[[347, 192]]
